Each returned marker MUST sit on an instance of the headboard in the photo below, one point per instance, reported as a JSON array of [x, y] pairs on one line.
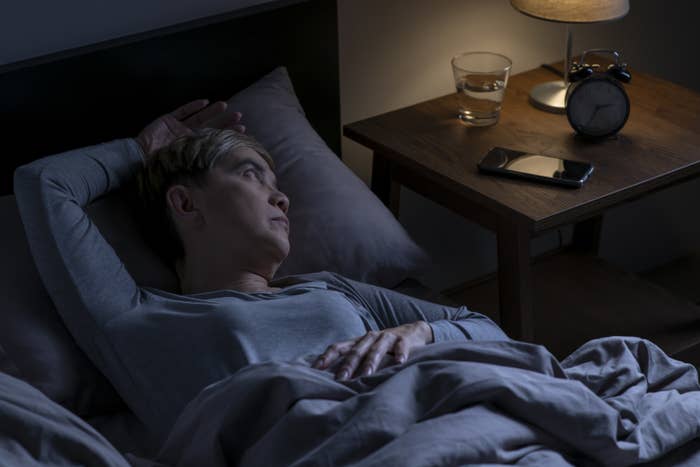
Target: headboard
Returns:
[[112, 89]]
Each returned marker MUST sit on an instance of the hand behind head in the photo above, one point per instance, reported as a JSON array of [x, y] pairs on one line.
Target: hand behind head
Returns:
[[183, 120]]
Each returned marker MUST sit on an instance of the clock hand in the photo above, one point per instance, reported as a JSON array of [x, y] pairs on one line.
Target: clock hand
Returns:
[[590, 119], [595, 112]]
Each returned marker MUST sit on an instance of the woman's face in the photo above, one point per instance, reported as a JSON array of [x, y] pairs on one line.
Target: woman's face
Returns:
[[243, 211]]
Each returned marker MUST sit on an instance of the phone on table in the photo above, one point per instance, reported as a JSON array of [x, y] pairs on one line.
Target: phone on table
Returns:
[[536, 167]]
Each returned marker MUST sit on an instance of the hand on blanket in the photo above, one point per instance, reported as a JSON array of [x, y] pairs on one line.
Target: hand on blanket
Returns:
[[365, 353], [182, 121]]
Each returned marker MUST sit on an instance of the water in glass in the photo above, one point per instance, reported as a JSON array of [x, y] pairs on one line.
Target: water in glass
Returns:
[[479, 99]]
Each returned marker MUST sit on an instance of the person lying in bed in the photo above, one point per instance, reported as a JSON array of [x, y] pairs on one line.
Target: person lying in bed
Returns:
[[217, 214]]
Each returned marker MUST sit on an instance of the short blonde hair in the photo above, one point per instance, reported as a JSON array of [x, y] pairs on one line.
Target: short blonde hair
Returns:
[[185, 161]]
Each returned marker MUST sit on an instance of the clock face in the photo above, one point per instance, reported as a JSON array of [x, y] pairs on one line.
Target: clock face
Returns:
[[597, 107]]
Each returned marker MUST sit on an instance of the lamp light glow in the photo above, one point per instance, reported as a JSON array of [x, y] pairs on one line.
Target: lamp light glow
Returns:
[[573, 11]]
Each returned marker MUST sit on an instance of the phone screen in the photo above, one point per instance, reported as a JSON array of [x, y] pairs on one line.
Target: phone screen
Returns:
[[536, 166]]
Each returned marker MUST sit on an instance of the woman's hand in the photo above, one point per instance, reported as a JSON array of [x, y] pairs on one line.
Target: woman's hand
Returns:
[[182, 121], [364, 354]]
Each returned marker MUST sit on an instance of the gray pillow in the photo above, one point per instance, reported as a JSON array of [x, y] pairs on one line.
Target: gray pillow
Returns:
[[337, 224]]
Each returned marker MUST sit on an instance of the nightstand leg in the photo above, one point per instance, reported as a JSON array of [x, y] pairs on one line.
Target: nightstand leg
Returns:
[[515, 281], [383, 185]]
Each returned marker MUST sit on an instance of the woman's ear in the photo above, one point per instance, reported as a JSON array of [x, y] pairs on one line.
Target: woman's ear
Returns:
[[183, 207]]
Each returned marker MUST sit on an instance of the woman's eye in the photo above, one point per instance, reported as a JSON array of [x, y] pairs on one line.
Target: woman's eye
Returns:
[[253, 174]]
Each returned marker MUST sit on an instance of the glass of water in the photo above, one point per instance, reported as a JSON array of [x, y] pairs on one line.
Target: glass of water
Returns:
[[480, 79]]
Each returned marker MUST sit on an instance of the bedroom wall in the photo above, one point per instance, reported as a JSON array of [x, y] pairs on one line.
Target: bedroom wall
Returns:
[[395, 53]]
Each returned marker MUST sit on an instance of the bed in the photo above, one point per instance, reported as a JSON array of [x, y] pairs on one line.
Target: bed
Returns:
[[616, 401]]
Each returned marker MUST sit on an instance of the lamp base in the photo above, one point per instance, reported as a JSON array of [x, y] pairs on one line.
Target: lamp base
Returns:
[[550, 96]]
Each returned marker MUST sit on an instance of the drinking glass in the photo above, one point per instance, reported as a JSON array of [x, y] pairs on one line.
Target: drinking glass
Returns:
[[481, 79]]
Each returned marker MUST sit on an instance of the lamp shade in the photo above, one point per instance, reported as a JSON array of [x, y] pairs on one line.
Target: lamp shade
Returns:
[[573, 11]]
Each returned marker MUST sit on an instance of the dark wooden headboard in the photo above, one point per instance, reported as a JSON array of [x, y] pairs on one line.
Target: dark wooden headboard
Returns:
[[112, 89]]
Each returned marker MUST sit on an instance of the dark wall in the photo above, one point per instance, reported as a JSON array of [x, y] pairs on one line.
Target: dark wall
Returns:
[[657, 37]]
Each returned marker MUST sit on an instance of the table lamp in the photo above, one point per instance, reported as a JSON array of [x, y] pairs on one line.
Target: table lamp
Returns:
[[551, 96]]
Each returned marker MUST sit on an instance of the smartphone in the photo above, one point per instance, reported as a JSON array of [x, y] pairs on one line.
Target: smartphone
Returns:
[[536, 167]]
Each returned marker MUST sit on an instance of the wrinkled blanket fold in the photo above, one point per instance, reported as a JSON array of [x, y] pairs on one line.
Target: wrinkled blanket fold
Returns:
[[615, 401]]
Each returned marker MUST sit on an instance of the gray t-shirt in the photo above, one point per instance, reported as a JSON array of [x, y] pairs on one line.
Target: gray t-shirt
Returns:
[[160, 349]]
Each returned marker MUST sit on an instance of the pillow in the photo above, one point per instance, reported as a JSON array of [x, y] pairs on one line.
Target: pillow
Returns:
[[336, 223], [8, 366], [114, 216]]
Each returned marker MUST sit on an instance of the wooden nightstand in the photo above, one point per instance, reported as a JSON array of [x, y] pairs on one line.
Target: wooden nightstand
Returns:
[[426, 148]]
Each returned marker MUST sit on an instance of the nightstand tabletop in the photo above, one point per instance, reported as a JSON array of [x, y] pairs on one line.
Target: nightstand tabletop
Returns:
[[659, 146]]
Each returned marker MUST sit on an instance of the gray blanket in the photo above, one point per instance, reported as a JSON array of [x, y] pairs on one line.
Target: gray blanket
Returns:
[[615, 401]]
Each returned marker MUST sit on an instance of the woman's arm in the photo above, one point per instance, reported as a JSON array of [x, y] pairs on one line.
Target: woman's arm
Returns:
[[83, 275], [447, 323], [85, 278], [391, 309], [403, 322]]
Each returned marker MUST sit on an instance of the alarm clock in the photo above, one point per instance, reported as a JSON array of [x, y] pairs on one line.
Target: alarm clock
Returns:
[[597, 105]]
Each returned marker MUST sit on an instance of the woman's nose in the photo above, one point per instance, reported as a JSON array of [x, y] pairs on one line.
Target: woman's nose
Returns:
[[280, 200]]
